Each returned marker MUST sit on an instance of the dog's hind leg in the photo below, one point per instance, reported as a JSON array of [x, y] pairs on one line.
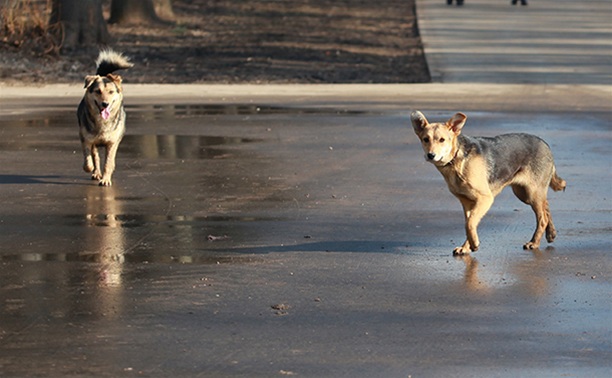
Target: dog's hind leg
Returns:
[[551, 231], [88, 165], [542, 223], [556, 183], [538, 202], [88, 160]]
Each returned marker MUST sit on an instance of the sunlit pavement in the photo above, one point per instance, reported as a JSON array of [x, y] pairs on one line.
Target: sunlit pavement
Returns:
[[297, 230], [545, 42]]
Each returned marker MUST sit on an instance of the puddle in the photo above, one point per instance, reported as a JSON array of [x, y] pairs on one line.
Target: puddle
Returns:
[[119, 229], [168, 221], [181, 146], [35, 120], [194, 110], [58, 130], [137, 257], [25, 132], [142, 146], [117, 238], [61, 116]]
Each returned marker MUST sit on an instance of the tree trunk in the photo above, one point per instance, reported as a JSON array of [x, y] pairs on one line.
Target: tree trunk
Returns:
[[81, 21], [163, 8], [133, 12]]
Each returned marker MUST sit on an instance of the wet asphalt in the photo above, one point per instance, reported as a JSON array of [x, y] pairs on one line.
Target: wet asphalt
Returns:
[[265, 231]]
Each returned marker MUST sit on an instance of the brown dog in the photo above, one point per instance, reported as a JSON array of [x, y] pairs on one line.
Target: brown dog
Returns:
[[101, 115], [476, 169]]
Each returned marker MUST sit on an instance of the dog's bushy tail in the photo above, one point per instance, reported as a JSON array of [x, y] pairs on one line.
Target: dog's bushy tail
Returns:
[[110, 61], [557, 183]]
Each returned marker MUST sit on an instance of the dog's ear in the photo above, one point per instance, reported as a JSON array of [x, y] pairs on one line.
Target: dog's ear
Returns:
[[89, 79], [115, 79], [455, 124], [419, 122]]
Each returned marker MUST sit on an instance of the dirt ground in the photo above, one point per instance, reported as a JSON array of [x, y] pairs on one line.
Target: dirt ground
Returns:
[[256, 41]]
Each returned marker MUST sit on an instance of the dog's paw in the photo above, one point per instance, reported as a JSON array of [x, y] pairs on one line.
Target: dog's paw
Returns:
[[96, 176], [88, 167], [551, 235], [465, 249], [531, 246], [105, 182], [460, 251]]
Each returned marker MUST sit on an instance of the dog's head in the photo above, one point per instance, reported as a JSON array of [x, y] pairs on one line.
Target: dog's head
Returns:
[[104, 92], [439, 140]]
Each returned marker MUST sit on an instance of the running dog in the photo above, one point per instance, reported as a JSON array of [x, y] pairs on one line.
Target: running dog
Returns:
[[476, 169], [101, 115]]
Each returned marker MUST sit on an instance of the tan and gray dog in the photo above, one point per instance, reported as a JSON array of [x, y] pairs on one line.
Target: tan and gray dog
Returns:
[[101, 115], [476, 170]]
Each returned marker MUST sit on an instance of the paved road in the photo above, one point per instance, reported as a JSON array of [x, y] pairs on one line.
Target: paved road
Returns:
[[265, 231], [491, 41]]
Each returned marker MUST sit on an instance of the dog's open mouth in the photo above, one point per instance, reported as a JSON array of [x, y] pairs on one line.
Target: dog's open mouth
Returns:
[[104, 109], [105, 113]]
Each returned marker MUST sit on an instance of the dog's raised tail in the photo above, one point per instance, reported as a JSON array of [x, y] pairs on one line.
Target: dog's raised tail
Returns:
[[557, 183], [110, 61]]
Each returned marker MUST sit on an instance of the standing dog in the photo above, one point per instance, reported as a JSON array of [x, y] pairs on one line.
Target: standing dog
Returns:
[[476, 169], [101, 115]]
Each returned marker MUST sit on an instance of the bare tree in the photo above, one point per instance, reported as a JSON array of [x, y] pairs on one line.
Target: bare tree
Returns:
[[82, 23], [130, 12]]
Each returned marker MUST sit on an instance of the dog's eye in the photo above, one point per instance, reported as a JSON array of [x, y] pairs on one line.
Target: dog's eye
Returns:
[[441, 140], [426, 140], [99, 91]]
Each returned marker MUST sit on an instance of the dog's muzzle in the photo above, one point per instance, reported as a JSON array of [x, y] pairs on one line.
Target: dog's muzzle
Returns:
[[104, 108], [435, 159]]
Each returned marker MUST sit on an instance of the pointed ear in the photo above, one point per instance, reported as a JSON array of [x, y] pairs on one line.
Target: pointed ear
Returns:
[[115, 79], [89, 79], [419, 122], [455, 124]]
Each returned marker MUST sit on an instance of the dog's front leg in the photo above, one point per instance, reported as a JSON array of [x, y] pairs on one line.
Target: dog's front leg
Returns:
[[109, 164], [474, 211], [95, 155]]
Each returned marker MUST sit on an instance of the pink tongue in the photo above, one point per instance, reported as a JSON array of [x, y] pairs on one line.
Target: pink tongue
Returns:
[[105, 113]]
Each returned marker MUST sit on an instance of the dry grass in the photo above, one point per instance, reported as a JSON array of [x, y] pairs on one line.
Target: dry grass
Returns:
[[25, 23], [229, 41]]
